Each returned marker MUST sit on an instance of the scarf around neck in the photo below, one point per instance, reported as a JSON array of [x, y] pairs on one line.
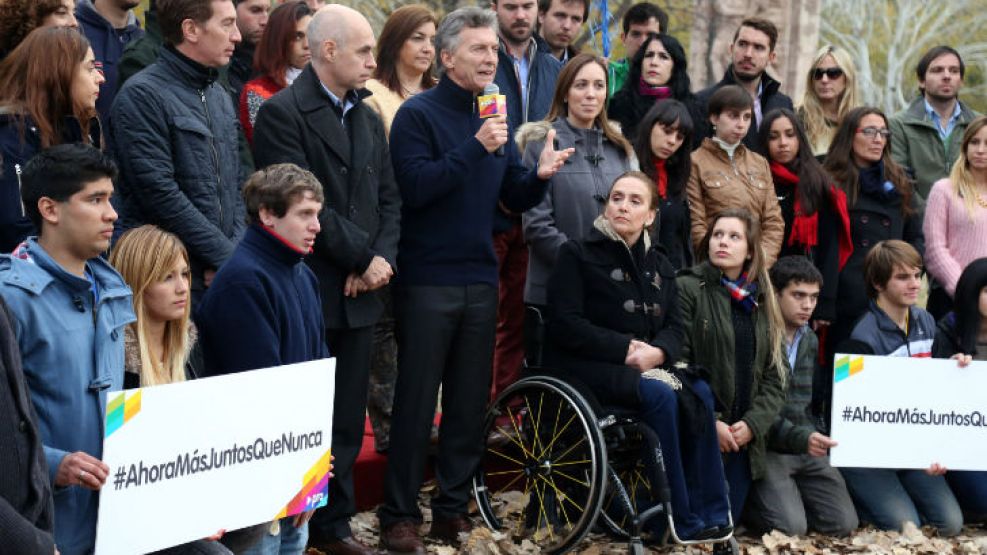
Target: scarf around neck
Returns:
[[874, 183], [742, 293], [661, 177], [805, 228], [657, 92]]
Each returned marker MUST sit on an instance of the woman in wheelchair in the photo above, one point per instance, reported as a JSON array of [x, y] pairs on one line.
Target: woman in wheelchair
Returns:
[[733, 328], [613, 322]]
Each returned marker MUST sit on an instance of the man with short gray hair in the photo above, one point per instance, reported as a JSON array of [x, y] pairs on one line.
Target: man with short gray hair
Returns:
[[321, 124], [453, 168]]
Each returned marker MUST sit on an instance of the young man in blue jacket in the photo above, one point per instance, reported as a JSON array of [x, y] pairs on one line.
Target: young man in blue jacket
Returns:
[[263, 309], [69, 308]]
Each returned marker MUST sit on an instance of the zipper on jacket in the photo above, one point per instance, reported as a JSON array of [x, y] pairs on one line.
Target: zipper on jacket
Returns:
[[215, 157], [20, 187]]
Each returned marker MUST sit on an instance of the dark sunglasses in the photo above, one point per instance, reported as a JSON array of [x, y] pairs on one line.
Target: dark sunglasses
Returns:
[[831, 72]]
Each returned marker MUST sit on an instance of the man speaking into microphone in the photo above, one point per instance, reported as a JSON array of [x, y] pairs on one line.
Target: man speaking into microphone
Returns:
[[445, 295]]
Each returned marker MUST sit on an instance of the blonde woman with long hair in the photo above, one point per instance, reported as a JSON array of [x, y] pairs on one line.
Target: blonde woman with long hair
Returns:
[[154, 263], [955, 221], [830, 92]]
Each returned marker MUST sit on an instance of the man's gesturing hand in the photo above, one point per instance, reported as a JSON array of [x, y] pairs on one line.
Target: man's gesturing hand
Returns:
[[550, 161]]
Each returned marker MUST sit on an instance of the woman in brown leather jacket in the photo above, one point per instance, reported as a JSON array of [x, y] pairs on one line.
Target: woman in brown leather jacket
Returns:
[[725, 174]]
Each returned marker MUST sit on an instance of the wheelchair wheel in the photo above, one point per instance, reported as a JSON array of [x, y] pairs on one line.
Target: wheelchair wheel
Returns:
[[635, 474], [543, 474]]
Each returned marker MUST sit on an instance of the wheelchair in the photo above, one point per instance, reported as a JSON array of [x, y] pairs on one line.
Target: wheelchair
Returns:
[[558, 465]]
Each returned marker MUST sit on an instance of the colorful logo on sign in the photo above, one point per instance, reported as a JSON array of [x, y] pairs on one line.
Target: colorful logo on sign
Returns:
[[315, 493], [844, 367], [121, 409]]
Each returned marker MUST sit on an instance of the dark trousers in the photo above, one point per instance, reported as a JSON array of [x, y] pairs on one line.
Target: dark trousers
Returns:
[[737, 467], [692, 462], [352, 351], [445, 336]]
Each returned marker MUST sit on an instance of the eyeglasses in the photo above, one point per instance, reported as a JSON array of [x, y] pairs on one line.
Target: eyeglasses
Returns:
[[831, 72], [871, 132]]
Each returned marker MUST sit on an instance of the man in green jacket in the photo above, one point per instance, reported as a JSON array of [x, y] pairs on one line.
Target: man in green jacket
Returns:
[[799, 490], [926, 135]]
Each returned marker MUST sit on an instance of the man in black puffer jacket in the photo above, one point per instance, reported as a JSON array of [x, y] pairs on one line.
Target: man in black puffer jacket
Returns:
[[175, 136]]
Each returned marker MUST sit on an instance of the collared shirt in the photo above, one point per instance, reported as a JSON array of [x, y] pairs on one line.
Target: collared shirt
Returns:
[[793, 349], [936, 120], [344, 105], [522, 67]]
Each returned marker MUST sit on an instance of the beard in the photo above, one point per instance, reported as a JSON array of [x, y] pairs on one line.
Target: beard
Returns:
[[941, 97], [746, 77]]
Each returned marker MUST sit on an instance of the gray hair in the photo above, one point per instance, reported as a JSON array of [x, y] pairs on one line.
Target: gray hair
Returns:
[[447, 35]]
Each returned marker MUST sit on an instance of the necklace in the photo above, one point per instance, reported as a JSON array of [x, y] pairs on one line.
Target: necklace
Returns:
[[980, 200]]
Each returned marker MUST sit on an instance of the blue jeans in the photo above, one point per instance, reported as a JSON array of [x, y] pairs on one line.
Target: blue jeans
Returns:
[[888, 497], [970, 489], [288, 541], [692, 463]]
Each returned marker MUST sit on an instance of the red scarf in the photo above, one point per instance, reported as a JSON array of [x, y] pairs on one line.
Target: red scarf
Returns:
[[805, 229], [661, 176]]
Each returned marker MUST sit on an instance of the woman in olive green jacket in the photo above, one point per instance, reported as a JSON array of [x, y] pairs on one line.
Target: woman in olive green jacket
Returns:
[[734, 330]]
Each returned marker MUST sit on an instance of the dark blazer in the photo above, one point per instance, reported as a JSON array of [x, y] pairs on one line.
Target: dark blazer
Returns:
[[601, 296], [26, 506], [362, 211]]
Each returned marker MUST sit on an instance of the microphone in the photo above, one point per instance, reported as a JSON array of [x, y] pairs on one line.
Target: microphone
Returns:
[[491, 103]]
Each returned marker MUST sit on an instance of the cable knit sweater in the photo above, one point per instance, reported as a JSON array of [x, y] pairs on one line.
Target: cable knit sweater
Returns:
[[952, 238]]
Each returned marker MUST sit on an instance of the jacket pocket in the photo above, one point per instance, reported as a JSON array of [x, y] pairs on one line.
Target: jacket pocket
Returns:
[[715, 179]]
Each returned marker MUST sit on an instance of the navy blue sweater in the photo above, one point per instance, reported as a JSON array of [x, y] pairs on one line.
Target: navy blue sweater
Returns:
[[450, 186], [262, 310]]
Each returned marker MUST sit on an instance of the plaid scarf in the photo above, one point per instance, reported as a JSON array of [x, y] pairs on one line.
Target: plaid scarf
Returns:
[[741, 292]]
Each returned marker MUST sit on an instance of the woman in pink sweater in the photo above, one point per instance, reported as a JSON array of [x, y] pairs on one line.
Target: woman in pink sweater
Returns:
[[955, 223]]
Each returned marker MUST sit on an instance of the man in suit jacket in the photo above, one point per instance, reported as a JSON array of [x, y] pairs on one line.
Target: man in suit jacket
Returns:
[[320, 124]]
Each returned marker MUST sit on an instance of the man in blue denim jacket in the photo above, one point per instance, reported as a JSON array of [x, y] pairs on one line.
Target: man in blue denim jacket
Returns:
[[69, 308]]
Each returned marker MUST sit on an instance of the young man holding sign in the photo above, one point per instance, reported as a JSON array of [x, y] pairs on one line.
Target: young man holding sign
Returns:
[[800, 490], [69, 308], [893, 326], [263, 308]]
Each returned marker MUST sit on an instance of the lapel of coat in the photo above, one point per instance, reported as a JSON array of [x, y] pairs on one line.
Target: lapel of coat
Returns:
[[320, 116]]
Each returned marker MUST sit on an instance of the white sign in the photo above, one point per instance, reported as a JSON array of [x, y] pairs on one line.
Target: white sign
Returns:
[[189, 459], [898, 412]]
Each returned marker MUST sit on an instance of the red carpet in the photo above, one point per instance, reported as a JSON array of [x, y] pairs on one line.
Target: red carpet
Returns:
[[368, 474]]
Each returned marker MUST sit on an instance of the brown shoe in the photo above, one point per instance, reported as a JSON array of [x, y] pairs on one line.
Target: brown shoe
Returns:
[[402, 537], [448, 529], [346, 546]]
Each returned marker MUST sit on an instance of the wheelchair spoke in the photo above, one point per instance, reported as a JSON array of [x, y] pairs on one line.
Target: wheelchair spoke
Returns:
[[517, 435], [583, 483], [535, 421], [503, 456], [543, 513], [557, 434]]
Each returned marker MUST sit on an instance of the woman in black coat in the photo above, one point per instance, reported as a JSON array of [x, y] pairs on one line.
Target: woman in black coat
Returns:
[[659, 70], [817, 224], [964, 331], [613, 322]]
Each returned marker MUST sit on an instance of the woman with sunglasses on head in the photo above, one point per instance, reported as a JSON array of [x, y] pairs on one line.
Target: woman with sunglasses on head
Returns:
[[662, 149], [830, 93], [659, 70], [817, 224], [881, 203]]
